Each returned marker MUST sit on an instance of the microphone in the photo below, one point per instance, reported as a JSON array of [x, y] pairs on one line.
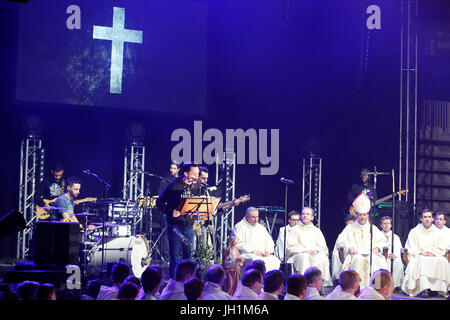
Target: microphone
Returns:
[[87, 171], [286, 181]]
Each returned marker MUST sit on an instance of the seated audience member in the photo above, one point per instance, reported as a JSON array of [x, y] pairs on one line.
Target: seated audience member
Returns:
[[214, 279], [120, 272], [251, 285], [193, 289], [348, 288], [93, 288], [314, 282], [45, 291], [273, 285], [381, 287], [184, 270], [295, 287], [127, 291], [151, 280], [27, 289]]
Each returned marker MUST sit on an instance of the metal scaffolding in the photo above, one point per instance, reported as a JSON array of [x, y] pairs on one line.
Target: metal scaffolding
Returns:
[[312, 185], [133, 172], [225, 176], [32, 156], [408, 101]]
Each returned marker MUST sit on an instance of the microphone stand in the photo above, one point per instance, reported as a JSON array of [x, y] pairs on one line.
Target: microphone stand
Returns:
[[284, 268], [371, 213], [105, 191], [393, 219]]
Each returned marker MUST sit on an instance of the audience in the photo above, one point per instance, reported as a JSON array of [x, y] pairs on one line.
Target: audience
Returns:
[[120, 272], [314, 282], [184, 270], [193, 289], [27, 289], [295, 287], [273, 285], [151, 280], [214, 280], [45, 291], [251, 285], [93, 288], [127, 291], [381, 286]]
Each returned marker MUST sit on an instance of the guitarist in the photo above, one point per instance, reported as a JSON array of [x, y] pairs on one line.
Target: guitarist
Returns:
[[364, 185], [51, 187], [66, 202]]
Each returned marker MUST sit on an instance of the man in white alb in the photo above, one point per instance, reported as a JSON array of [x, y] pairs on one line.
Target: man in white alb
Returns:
[[428, 267], [293, 219], [255, 242], [440, 222], [397, 267], [348, 288], [356, 239], [336, 263], [381, 287], [308, 247]]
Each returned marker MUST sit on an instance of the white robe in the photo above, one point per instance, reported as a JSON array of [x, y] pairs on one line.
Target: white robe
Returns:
[[255, 238], [266, 296], [309, 237], [244, 293], [369, 293], [446, 232], [336, 264], [426, 272], [397, 270], [279, 246], [338, 294], [357, 236], [173, 291], [312, 294], [213, 291]]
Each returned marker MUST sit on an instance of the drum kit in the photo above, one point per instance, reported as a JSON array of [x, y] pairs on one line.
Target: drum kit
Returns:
[[117, 230]]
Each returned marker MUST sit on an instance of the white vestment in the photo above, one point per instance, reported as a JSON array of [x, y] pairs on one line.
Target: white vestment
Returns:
[[397, 270], [267, 296], [336, 264], [369, 293], [309, 237], [244, 293], [279, 246], [312, 293], [446, 231], [357, 236], [173, 291], [255, 238], [289, 296], [425, 272], [213, 291], [338, 294]]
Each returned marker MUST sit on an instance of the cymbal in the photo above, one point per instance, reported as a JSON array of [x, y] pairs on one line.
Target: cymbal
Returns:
[[86, 214]]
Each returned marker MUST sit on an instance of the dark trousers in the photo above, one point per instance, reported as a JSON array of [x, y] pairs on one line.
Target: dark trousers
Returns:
[[180, 239]]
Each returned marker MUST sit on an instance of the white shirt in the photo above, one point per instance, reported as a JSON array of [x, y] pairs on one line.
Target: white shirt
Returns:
[[213, 291], [289, 296], [267, 296], [108, 293], [244, 293], [312, 294], [338, 294], [369, 293], [173, 291]]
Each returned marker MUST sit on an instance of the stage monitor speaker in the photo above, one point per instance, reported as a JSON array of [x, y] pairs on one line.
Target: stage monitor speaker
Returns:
[[12, 223], [57, 243]]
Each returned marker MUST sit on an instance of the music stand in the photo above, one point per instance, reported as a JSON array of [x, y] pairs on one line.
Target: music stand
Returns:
[[204, 206]]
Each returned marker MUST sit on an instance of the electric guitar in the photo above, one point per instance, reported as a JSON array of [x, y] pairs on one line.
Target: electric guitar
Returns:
[[377, 202], [44, 212]]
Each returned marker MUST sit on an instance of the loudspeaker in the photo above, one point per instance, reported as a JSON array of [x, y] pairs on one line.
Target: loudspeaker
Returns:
[[12, 223], [57, 243]]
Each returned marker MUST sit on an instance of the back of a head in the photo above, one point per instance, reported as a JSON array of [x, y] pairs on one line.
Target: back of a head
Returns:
[[251, 276], [215, 273], [193, 288], [150, 279], [380, 279], [273, 280], [134, 280], [347, 279], [295, 284], [311, 274], [27, 289], [127, 291], [184, 268], [45, 291], [93, 288], [258, 265], [120, 272]]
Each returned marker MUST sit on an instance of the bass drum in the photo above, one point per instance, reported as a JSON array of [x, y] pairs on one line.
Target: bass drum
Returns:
[[133, 250]]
